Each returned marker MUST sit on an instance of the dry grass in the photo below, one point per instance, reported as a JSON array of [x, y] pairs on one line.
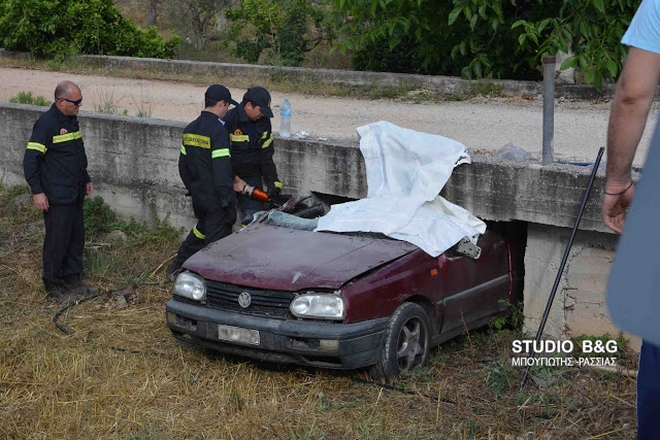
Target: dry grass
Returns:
[[113, 373]]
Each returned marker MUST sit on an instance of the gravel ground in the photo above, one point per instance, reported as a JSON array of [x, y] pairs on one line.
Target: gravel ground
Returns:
[[482, 124]]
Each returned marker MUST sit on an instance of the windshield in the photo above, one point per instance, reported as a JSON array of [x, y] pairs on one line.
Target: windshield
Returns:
[[284, 220], [291, 221]]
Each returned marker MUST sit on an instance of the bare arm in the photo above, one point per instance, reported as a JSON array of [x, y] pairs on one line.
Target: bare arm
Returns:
[[632, 100]]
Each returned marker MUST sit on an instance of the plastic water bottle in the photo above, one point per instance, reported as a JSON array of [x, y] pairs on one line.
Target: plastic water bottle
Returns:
[[285, 119]]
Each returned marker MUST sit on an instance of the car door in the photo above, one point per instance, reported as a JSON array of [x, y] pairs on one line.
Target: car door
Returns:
[[472, 289]]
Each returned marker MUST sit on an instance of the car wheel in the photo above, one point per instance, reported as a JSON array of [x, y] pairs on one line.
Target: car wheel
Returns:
[[407, 342]]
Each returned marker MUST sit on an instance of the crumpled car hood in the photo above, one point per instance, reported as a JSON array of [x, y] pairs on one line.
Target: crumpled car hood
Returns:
[[270, 257]]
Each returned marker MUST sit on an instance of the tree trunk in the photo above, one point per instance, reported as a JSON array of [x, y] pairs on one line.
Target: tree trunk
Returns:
[[151, 18]]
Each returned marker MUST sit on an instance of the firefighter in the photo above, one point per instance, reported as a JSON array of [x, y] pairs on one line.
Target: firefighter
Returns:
[[252, 150], [55, 167], [205, 168]]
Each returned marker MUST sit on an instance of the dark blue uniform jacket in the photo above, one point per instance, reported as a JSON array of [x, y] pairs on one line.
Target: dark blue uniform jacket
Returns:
[[55, 162], [251, 145], [205, 164]]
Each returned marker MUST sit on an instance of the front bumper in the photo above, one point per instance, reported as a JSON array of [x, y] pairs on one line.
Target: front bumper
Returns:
[[313, 343]]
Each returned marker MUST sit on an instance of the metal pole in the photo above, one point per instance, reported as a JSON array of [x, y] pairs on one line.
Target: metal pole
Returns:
[[548, 108], [548, 306]]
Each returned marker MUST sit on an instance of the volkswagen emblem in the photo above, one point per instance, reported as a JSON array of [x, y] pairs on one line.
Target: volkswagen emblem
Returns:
[[244, 300]]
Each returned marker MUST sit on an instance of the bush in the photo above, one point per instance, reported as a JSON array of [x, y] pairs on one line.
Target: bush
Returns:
[[61, 28], [99, 217], [27, 98]]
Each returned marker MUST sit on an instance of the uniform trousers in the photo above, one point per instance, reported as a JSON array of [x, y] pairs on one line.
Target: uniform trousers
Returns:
[[64, 242], [208, 229], [648, 392]]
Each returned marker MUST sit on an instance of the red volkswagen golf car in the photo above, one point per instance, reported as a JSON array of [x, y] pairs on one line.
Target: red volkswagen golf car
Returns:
[[277, 291]]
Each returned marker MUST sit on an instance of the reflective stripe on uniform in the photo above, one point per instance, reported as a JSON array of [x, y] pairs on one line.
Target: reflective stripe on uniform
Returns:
[[66, 137], [37, 147], [239, 138], [183, 150], [198, 234], [197, 140], [269, 140], [222, 152]]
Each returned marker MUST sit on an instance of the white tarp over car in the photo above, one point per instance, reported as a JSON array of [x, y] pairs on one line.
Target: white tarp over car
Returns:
[[406, 170]]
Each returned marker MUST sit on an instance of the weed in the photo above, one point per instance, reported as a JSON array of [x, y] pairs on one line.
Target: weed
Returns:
[[498, 323], [143, 105], [20, 212], [501, 377], [27, 98], [486, 88], [422, 96], [99, 217], [542, 398], [456, 97], [280, 76], [107, 102], [54, 65], [391, 92], [126, 262], [514, 319], [17, 190]]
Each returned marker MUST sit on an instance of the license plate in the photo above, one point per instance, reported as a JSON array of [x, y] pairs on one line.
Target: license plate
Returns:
[[237, 334]]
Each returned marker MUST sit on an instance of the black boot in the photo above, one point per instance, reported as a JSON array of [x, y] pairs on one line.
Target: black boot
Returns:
[[60, 292], [75, 285]]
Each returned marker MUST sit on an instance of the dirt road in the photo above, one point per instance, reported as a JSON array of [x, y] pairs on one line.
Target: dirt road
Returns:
[[482, 124]]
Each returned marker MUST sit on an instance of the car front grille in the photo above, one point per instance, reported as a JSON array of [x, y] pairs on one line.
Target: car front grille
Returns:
[[266, 303]]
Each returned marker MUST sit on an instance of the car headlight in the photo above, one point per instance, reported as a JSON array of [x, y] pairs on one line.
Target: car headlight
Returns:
[[318, 305], [190, 285]]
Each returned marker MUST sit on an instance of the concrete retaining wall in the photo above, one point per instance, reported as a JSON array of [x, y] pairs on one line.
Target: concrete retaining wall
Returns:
[[443, 85], [133, 162]]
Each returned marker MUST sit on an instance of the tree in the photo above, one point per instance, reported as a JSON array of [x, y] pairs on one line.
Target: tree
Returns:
[[283, 30], [151, 18], [198, 17], [487, 38], [67, 27]]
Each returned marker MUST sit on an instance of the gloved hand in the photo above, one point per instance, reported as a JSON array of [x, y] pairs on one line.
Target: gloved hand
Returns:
[[275, 189], [230, 213]]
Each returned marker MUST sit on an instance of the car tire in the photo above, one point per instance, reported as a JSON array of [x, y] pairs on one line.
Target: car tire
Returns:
[[407, 343]]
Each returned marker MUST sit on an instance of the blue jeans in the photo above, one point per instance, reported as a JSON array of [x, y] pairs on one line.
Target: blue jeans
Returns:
[[648, 392]]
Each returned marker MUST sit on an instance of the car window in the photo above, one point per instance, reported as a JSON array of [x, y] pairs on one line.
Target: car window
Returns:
[[284, 220]]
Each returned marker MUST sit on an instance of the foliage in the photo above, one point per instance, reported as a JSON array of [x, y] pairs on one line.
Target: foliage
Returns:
[[27, 98], [592, 30], [99, 217], [282, 29], [196, 17], [501, 377], [514, 320], [485, 38], [61, 28], [16, 190]]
